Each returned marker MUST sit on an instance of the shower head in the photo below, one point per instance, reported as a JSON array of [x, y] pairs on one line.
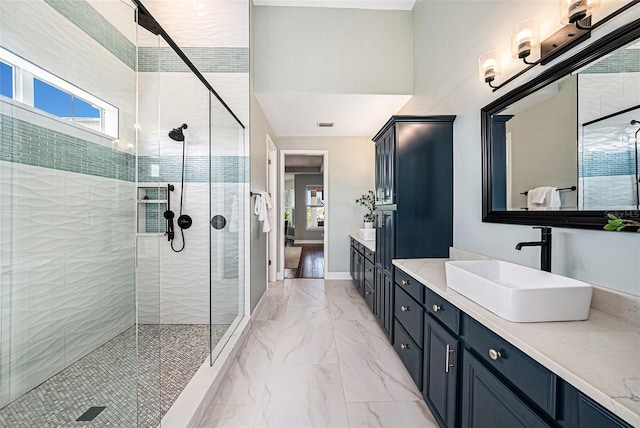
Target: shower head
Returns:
[[176, 133]]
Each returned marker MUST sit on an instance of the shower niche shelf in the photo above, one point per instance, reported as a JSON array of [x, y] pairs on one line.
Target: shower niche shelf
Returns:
[[152, 203]]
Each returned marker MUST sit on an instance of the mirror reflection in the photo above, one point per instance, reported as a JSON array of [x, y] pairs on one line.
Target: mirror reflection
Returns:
[[572, 145]]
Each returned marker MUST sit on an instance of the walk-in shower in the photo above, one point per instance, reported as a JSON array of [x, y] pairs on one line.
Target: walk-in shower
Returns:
[[100, 321]]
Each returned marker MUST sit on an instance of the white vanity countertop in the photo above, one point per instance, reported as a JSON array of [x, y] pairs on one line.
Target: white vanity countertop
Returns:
[[600, 356], [369, 244]]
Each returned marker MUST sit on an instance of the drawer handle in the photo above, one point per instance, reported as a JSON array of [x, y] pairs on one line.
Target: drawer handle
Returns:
[[368, 270], [494, 355], [436, 308], [448, 365], [403, 346], [367, 292], [405, 308], [404, 282]]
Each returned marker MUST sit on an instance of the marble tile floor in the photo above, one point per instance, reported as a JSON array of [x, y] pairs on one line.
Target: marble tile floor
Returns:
[[113, 375], [316, 357]]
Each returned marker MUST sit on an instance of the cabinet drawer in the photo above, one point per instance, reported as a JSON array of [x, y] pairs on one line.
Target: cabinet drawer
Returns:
[[368, 272], [409, 352], [359, 247], [369, 295], [410, 314], [527, 375], [410, 285], [370, 255], [443, 311]]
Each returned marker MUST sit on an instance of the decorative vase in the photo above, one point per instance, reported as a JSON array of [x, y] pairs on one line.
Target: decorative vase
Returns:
[[368, 225]]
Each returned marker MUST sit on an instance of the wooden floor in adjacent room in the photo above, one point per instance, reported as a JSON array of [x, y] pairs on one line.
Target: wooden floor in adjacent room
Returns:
[[311, 262]]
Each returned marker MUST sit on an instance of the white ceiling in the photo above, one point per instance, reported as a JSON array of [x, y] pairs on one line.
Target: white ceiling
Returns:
[[350, 4], [353, 115]]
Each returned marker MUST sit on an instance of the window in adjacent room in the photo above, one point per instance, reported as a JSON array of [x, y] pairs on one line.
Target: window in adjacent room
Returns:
[[315, 206]]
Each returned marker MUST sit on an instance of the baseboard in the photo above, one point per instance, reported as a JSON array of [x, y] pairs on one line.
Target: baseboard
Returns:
[[308, 241], [337, 275]]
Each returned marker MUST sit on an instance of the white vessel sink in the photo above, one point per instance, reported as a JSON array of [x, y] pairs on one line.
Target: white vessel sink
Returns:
[[519, 293]]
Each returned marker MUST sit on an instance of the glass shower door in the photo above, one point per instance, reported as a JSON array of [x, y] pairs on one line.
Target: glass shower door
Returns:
[[229, 200]]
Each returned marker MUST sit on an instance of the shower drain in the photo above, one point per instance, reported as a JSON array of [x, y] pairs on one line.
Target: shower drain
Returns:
[[90, 414]]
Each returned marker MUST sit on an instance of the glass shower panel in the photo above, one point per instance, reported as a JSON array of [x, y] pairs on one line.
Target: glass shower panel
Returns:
[[229, 196], [67, 210]]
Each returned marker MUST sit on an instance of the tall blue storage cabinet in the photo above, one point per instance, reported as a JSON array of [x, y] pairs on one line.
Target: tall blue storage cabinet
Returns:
[[414, 198]]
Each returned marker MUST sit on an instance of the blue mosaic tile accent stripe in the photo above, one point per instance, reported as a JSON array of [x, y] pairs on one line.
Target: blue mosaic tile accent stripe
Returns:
[[25, 143], [604, 164], [225, 169], [96, 26], [206, 59], [154, 220], [622, 61]]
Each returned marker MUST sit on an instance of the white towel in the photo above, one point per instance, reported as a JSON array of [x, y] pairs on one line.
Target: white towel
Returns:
[[262, 209], [543, 198]]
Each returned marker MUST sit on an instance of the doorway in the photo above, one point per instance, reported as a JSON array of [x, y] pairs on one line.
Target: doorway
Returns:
[[304, 215]]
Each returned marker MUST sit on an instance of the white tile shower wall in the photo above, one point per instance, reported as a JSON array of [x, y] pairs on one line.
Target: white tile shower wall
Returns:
[[602, 94], [69, 53], [173, 288], [67, 266]]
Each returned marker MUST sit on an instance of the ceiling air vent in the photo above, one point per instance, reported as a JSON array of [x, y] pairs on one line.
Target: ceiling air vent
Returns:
[[325, 124]]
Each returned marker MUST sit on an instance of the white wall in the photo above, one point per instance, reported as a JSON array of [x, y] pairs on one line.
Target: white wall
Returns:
[[449, 38], [351, 173], [544, 146], [317, 50]]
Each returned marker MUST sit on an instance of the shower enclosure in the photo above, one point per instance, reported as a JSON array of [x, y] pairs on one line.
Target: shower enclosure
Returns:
[[100, 320]]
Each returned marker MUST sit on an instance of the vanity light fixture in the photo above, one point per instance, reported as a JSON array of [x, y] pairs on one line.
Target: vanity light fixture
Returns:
[[525, 41], [526, 44], [574, 12], [490, 67]]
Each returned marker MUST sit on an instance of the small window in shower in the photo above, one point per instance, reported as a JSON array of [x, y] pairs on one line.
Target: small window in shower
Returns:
[[47, 92], [6, 80], [60, 103]]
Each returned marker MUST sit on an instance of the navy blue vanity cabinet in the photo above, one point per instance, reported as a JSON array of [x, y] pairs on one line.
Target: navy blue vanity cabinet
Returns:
[[407, 332], [352, 258], [414, 196], [385, 238], [579, 411], [368, 277], [440, 371], [487, 402]]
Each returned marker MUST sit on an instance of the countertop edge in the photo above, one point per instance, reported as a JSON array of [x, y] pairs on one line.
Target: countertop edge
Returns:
[[437, 283], [371, 245]]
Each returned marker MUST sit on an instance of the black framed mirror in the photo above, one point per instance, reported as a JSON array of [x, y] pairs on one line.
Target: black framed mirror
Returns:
[[567, 132]]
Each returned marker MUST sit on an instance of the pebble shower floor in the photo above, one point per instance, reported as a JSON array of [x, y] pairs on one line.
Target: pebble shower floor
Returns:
[[112, 377]]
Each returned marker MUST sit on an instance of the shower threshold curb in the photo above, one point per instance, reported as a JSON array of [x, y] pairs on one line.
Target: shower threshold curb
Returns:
[[190, 407]]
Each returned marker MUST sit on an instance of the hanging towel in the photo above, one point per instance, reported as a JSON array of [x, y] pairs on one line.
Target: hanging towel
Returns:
[[262, 209], [543, 198]]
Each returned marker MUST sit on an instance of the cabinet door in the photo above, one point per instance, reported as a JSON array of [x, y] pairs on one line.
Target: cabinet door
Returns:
[[359, 272], [441, 356], [352, 261], [388, 142], [487, 402], [387, 317], [388, 250], [378, 294], [379, 171]]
